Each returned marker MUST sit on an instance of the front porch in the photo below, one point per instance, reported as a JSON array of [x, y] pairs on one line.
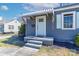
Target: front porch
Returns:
[[39, 28], [48, 41], [39, 24]]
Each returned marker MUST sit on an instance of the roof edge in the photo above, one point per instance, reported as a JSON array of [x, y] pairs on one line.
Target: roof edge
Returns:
[[67, 7], [38, 12]]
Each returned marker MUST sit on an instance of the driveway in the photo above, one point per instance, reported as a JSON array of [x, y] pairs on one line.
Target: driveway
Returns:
[[17, 51]]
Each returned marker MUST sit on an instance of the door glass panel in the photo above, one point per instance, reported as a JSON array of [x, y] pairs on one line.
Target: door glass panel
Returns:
[[41, 20]]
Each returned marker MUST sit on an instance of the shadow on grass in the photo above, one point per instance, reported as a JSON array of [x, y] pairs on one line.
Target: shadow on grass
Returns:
[[70, 46], [14, 40]]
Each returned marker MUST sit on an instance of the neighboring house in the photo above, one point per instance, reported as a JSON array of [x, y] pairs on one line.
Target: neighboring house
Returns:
[[9, 26], [1, 26], [61, 23]]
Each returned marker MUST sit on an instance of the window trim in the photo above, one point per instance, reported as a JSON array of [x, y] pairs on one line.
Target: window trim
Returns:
[[74, 17]]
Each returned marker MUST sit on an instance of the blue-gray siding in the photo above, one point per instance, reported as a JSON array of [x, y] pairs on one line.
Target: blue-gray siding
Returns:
[[49, 23], [30, 30]]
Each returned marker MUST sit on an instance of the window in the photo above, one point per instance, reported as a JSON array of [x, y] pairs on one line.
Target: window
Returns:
[[11, 27], [68, 20], [41, 20]]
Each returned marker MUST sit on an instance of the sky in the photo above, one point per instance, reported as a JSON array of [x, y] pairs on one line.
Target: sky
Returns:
[[9, 11]]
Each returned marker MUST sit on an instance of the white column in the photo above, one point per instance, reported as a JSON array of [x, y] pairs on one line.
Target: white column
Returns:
[[25, 20], [26, 24]]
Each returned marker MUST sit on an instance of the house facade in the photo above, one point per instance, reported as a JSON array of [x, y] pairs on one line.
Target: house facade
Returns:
[[61, 23], [67, 22], [9, 27]]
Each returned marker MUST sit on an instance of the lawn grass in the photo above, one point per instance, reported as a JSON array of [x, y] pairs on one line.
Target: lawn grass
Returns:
[[2, 44], [60, 51], [10, 42], [6, 34]]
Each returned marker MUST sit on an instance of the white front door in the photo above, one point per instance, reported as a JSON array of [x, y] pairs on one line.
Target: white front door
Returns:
[[41, 26]]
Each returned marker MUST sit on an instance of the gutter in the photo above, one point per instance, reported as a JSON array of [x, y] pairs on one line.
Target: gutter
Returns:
[[67, 8]]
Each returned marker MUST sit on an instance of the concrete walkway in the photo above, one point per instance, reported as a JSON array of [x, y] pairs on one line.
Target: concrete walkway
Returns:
[[7, 51], [25, 51], [16, 51]]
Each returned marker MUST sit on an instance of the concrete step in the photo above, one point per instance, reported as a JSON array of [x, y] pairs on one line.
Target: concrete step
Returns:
[[33, 45], [34, 41]]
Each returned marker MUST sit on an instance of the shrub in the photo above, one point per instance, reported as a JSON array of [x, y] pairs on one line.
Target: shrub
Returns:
[[22, 30], [77, 40]]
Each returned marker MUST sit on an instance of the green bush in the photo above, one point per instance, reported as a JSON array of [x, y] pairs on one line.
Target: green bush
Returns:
[[22, 30], [77, 40]]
